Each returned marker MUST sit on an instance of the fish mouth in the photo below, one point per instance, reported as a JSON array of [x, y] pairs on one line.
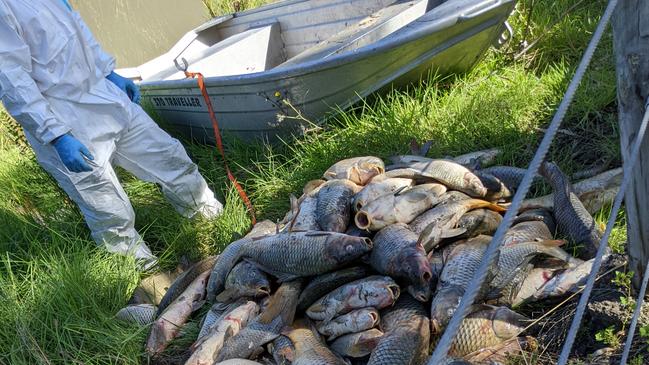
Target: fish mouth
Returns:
[[368, 242], [362, 220], [395, 291], [358, 206], [375, 317], [426, 276], [264, 290]]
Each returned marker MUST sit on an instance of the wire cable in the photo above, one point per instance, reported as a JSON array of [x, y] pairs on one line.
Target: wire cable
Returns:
[[445, 342]]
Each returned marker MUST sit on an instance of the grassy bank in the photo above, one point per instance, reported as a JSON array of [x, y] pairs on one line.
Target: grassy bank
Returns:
[[59, 292]]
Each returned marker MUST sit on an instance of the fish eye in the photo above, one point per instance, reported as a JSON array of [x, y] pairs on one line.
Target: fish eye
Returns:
[[349, 248]]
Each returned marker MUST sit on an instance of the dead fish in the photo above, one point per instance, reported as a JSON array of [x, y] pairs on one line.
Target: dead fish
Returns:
[[169, 323], [510, 176], [208, 347], [183, 281], [283, 351], [299, 254], [359, 170], [238, 362], [323, 284], [400, 207], [354, 321], [442, 220], [377, 188], [514, 258], [333, 208], [215, 313], [140, 314], [533, 282], [223, 265], [245, 280], [484, 157], [305, 216], [407, 334], [449, 205], [396, 253], [569, 281], [352, 230], [266, 326], [358, 344], [460, 266], [262, 228], [309, 349], [479, 221], [503, 352], [486, 327], [570, 214], [594, 192], [374, 291], [536, 224], [452, 175], [496, 189]]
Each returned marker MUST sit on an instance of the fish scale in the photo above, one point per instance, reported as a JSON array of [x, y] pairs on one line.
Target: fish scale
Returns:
[[570, 213], [265, 327], [245, 280], [224, 263], [396, 253], [527, 231], [283, 350], [323, 284], [461, 265], [515, 257], [333, 207], [183, 281], [299, 254], [486, 328], [451, 174], [407, 334], [310, 350], [306, 219]]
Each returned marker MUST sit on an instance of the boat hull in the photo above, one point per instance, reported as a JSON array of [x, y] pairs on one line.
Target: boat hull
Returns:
[[451, 38]]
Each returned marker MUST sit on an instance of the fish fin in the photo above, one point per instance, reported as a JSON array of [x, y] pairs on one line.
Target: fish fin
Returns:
[[552, 243], [312, 186], [295, 208], [479, 203], [454, 232], [197, 305], [398, 191], [228, 333], [318, 233]]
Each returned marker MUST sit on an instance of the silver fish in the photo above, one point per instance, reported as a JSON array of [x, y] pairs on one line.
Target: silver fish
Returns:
[[207, 348], [325, 283], [309, 349], [354, 321], [140, 314], [333, 208], [407, 334], [359, 170], [374, 291], [357, 344], [265, 327], [377, 188], [570, 214]]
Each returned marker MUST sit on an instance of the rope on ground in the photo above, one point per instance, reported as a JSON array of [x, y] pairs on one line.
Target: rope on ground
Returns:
[[645, 277], [463, 309]]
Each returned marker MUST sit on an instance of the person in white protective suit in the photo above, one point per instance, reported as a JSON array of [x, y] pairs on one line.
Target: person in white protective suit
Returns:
[[81, 119]]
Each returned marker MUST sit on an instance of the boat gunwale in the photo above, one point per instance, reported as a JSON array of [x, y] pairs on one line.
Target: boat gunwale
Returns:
[[451, 15]]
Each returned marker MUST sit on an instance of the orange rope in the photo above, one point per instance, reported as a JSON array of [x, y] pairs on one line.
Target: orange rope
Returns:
[[219, 143]]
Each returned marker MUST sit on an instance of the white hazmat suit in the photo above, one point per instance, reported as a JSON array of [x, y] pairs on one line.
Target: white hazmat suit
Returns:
[[53, 81]]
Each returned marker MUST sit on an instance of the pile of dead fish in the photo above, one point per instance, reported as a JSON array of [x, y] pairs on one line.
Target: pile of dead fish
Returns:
[[370, 264]]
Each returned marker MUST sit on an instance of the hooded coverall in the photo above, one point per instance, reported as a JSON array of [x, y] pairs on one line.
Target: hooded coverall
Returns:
[[53, 81]]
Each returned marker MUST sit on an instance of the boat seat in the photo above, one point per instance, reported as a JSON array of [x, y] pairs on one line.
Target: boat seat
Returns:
[[369, 30], [254, 50]]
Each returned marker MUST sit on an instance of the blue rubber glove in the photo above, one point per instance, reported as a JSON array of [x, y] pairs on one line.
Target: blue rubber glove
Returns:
[[72, 152], [127, 85]]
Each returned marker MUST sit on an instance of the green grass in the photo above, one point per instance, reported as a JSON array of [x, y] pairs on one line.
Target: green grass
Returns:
[[59, 292]]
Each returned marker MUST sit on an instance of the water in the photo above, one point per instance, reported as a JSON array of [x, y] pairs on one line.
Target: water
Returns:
[[135, 31]]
